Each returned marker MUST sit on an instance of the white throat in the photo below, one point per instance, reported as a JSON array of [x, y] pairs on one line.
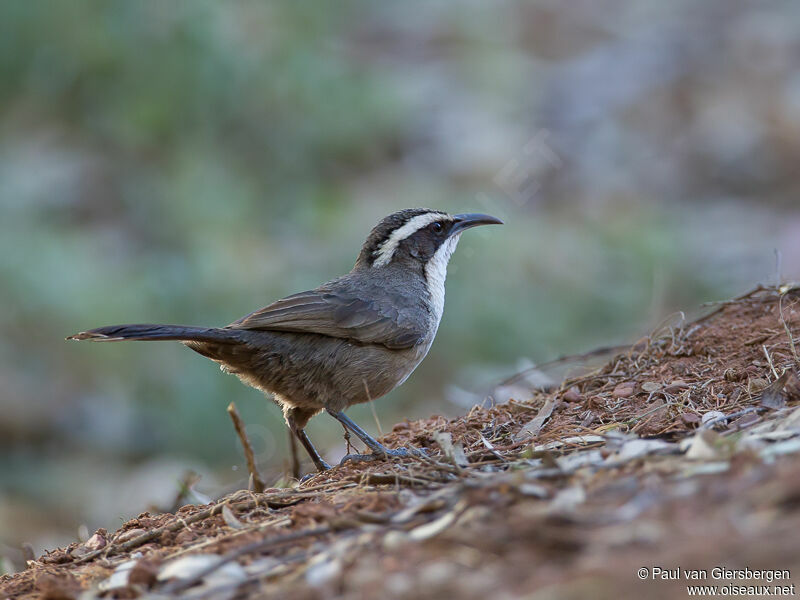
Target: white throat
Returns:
[[436, 273]]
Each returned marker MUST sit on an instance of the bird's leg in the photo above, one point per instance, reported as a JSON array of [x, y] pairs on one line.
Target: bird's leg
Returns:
[[312, 452], [295, 459], [378, 449], [301, 435]]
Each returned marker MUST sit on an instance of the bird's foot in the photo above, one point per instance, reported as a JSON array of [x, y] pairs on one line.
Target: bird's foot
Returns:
[[403, 452], [322, 466], [359, 458], [384, 453]]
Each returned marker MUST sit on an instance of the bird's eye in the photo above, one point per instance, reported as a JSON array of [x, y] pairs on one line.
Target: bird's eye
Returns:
[[436, 227]]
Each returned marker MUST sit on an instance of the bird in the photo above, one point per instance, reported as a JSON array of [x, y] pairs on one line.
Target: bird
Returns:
[[351, 340]]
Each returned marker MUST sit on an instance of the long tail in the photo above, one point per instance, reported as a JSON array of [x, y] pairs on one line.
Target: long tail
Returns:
[[148, 332]]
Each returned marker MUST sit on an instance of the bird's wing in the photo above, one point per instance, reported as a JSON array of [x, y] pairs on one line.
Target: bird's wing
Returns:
[[337, 315]]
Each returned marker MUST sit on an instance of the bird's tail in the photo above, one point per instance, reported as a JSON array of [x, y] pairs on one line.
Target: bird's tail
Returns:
[[150, 332]]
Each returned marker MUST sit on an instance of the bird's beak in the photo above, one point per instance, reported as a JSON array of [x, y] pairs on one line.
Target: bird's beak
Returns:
[[462, 222]]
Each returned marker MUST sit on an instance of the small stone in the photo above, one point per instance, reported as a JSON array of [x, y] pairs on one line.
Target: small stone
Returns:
[[757, 385], [129, 535], [676, 386], [573, 394], [595, 402], [691, 419], [792, 387], [623, 390], [97, 541], [713, 415], [733, 375], [651, 386]]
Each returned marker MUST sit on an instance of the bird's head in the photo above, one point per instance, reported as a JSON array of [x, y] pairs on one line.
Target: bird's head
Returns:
[[417, 237]]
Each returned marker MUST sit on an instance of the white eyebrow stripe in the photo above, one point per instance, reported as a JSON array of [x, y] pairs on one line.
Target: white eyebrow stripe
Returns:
[[385, 252]]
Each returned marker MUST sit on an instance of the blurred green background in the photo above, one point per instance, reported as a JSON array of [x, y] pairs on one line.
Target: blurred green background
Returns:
[[190, 162]]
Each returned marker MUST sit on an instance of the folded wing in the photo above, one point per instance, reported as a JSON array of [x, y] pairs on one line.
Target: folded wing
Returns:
[[326, 312]]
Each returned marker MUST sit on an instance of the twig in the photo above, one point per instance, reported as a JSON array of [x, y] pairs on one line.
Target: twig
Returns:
[[155, 533], [769, 361], [246, 531], [259, 546], [227, 590], [455, 470], [349, 449], [258, 483], [571, 358], [387, 478], [271, 500], [722, 304]]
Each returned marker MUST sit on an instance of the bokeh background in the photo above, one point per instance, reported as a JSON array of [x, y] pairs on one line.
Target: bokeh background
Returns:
[[192, 161]]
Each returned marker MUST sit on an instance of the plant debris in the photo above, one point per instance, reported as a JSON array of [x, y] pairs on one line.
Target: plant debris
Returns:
[[683, 449]]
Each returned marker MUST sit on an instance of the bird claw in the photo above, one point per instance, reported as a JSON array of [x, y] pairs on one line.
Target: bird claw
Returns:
[[386, 453], [360, 458], [402, 452], [322, 466]]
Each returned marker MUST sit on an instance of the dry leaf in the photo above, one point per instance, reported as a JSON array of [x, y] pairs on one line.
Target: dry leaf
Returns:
[[703, 446], [624, 390], [454, 452], [713, 418], [230, 519], [120, 578], [772, 396], [429, 530], [532, 428]]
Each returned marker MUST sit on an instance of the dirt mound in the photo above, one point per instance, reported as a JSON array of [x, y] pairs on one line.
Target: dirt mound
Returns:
[[682, 452]]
